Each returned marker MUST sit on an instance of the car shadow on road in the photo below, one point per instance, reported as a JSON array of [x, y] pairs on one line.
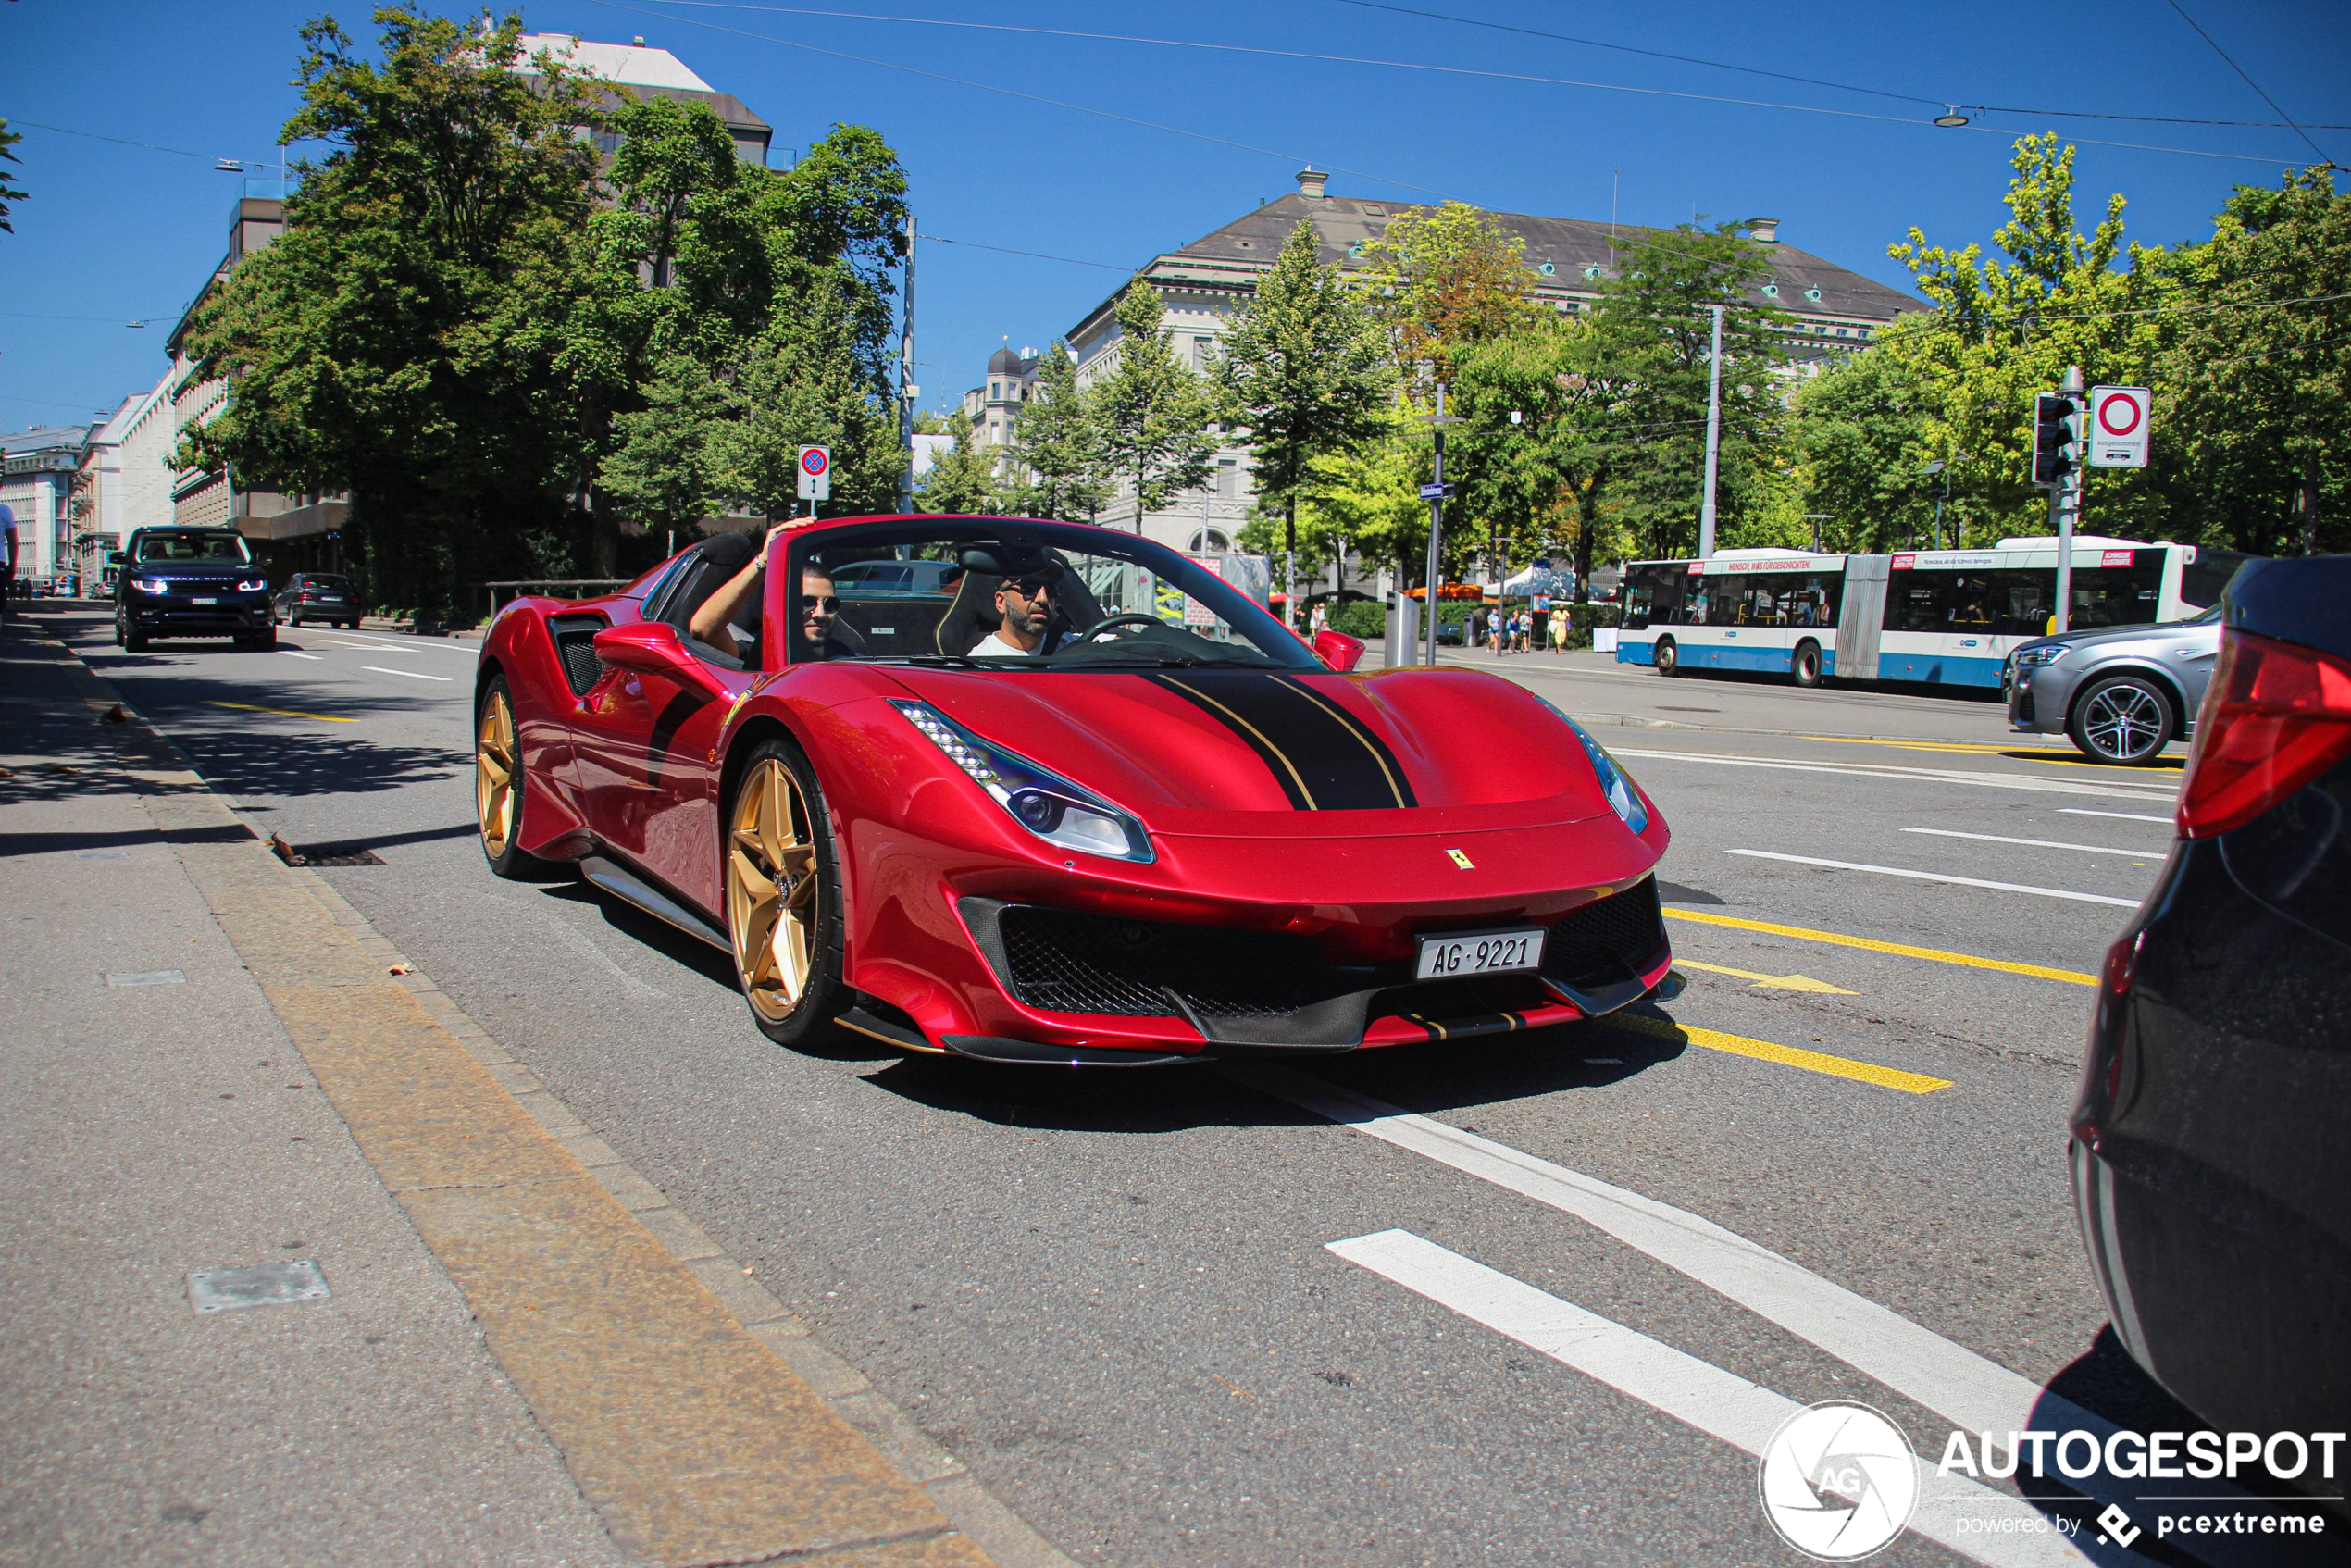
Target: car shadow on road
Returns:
[[1432, 1078]]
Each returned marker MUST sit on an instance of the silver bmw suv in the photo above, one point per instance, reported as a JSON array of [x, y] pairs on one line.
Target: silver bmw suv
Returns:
[[2122, 692]]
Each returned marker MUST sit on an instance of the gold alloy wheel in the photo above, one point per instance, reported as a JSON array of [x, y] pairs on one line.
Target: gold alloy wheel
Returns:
[[771, 889], [495, 765]]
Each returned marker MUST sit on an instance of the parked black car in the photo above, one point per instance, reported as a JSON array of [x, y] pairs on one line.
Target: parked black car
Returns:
[[318, 596], [191, 582], [2207, 1145]]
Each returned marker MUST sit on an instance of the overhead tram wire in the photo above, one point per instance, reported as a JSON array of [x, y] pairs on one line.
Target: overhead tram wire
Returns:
[[1840, 86], [1319, 59], [1034, 256], [2251, 82], [1028, 97]]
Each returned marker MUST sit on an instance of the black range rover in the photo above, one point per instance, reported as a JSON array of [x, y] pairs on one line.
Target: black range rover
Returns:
[[191, 582]]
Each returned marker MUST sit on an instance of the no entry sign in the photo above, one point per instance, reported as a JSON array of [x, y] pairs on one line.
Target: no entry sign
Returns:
[[2118, 433], [815, 473]]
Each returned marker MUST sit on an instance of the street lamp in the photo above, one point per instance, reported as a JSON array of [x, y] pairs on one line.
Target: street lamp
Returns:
[[1816, 519]]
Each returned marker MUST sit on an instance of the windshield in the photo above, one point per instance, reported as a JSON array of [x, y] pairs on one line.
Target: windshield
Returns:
[[194, 546], [1004, 594]]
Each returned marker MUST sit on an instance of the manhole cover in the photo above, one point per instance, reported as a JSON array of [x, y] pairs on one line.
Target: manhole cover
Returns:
[[270, 1285]]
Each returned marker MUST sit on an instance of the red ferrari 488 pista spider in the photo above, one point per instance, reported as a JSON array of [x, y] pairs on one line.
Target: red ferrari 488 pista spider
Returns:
[[1033, 792]]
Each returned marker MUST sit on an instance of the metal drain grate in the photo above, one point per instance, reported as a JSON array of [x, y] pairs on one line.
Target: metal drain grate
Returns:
[[323, 854]]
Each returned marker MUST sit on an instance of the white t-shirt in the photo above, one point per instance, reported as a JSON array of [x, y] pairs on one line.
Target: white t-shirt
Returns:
[[994, 646]]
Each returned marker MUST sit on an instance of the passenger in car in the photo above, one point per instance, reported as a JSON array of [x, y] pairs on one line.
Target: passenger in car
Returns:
[[1025, 613], [728, 619]]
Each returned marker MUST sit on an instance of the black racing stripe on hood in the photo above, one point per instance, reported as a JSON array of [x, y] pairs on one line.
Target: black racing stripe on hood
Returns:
[[1323, 757]]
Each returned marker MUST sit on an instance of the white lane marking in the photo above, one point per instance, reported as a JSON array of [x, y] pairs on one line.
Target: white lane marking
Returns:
[[291, 654], [2043, 844], [2119, 815], [412, 674], [1940, 876], [1973, 1391], [2031, 783], [1696, 1393], [407, 646]]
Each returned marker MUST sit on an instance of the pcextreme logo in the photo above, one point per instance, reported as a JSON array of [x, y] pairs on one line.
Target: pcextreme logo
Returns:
[[1839, 1481]]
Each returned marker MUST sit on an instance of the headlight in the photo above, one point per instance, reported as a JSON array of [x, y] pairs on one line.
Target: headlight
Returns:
[[1615, 783], [151, 584], [2034, 658], [252, 585], [1047, 805]]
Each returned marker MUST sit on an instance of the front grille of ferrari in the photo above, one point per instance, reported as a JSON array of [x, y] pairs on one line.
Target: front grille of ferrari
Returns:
[[1606, 940], [1066, 962]]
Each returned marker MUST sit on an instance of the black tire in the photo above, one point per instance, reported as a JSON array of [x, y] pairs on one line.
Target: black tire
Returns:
[[501, 838], [1804, 665], [2123, 720], [822, 995], [125, 637], [1667, 657]]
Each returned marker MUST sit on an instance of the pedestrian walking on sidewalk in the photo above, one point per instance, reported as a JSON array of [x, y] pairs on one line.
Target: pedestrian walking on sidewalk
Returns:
[[8, 583]]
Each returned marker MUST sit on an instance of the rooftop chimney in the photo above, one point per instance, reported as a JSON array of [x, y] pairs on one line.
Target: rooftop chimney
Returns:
[[1311, 183], [1763, 231]]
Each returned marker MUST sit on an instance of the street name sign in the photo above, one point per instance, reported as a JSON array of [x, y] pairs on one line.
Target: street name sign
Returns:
[[2118, 433], [1437, 492], [815, 473]]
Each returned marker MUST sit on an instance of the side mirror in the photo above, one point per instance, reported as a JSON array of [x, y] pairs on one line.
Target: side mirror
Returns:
[[1338, 650], [650, 648], [117, 558]]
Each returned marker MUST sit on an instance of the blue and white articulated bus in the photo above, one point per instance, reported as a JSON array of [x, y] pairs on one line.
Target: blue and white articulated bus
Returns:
[[1937, 616]]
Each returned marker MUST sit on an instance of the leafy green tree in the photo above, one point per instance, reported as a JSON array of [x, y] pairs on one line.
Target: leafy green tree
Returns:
[[9, 190], [2003, 331], [662, 474], [1443, 279], [1306, 372], [1540, 479], [1366, 498], [965, 479], [1061, 469], [1865, 431], [1656, 329], [398, 341], [2254, 395], [1155, 413]]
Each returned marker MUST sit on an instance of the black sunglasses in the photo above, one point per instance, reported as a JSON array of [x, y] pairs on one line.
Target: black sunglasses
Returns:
[[1029, 586], [826, 603]]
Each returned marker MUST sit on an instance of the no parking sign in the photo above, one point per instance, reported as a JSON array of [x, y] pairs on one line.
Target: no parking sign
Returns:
[[2117, 434], [815, 473]]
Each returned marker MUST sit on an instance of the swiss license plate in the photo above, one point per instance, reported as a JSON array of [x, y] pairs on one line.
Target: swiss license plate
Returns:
[[331, 598], [1479, 953], [204, 601]]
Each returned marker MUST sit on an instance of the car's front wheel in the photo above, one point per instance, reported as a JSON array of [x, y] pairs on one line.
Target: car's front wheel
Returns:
[[126, 636], [500, 783], [2124, 719], [783, 899]]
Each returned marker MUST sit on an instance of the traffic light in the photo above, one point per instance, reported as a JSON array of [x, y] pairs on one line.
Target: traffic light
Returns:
[[2055, 428]]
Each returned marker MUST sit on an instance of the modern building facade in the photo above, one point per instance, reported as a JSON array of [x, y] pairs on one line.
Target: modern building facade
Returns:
[[1205, 282], [37, 469], [126, 477]]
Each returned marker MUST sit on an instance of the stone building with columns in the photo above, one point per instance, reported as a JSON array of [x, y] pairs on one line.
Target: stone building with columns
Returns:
[[1205, 282]]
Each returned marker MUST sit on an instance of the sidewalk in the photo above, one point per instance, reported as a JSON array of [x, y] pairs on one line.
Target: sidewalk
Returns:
[[208, 1067]]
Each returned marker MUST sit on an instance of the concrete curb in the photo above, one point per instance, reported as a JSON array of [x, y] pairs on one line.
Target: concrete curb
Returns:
[[706, 1423]]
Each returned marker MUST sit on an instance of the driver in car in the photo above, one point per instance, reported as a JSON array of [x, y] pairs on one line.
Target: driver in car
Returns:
[[1024, 613]]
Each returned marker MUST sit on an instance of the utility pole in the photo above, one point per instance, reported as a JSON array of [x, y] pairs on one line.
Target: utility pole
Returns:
[[2065, 501], [1436, 520], [1713, 437], [907, 391]]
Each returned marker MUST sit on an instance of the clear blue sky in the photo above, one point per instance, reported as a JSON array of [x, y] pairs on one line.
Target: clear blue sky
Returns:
[[115, 233]]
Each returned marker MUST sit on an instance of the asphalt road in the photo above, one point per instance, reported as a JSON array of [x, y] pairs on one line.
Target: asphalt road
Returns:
[[1113, 1295]]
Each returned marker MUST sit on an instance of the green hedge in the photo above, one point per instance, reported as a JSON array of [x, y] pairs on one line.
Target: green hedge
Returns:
[[1368, 619]]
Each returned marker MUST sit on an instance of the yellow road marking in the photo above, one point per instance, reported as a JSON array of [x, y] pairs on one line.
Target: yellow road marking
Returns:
[[1871, 945], [282, 713], [1785, 1055], [1769, 982], [2020, 753]]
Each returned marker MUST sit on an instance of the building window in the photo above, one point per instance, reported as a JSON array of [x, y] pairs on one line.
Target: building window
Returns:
[[1227, 473], [1203, 351], [1210, 541]]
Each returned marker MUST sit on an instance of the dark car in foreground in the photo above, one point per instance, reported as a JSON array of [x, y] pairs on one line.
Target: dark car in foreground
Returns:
[[311, 597], [191, 582], [2208, 1144]]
